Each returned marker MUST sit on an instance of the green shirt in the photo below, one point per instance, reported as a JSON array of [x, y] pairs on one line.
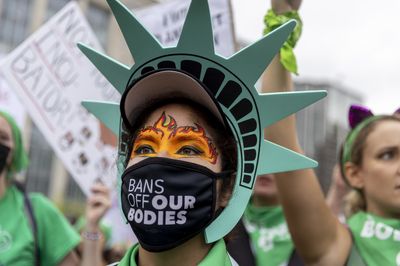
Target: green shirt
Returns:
[[377, 239], [270, 238], [217, 256], [56, 238]]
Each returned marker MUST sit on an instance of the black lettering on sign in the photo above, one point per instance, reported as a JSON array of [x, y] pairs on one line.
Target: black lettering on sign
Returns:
[[73, 29], [43, 92], [57, 59]]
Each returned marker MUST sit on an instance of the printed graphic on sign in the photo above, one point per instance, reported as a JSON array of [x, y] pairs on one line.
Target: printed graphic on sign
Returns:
[[166, 20], [51, 77]]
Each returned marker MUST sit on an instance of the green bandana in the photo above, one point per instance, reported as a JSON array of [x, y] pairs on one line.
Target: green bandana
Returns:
[[20, 159], [273, 21], [269, 235], [376, 238]]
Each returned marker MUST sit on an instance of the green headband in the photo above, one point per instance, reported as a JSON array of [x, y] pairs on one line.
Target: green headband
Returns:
[[231, 85], [20, 159], [352, 136]]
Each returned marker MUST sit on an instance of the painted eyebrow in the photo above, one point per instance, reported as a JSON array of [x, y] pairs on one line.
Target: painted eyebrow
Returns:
[[190, 138], [146, 137]]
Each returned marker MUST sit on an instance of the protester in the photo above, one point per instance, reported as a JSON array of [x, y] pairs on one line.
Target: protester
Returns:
[[32, 230], [370, 165], [96, 235], [187, 156], [263, 238]]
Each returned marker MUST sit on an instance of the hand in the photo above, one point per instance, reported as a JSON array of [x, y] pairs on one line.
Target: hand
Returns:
[[97, 205], [282, 6]]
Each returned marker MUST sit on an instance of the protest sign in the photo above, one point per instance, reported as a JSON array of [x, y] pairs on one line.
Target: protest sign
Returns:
[[166, 20], [10, 103], [51, 77]]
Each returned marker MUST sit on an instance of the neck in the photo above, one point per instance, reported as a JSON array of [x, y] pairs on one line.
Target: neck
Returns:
[[3, 183], [191, 252], [263, 201], [372, 209]]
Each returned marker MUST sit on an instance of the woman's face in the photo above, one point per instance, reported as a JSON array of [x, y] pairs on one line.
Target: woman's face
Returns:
[[6, 138], [265, 190], [379, 173], [175, 131]]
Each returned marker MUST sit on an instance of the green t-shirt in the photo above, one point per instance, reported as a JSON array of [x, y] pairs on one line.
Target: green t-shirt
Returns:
[[217, 256], [270, 238], [56, 238], [377, 239]]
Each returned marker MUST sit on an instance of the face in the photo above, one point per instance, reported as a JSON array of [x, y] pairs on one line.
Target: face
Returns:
[[265, 190], [379, 174], [175, 131], [6, 137]]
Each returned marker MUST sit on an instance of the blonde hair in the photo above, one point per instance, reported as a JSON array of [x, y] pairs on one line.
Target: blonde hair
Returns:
[[354, 202]]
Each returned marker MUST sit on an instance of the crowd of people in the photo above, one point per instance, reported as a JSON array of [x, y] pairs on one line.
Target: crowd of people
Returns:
[[181, 170]]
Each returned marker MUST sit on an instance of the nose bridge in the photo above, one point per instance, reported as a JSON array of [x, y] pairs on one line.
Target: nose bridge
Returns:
[[163, 153]]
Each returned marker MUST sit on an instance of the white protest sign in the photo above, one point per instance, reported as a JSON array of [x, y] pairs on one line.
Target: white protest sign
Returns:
[[52, 77], [166, 20], [10, 103]]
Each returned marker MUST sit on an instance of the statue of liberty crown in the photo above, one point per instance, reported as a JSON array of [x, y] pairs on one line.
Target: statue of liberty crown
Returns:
[[230, 80]]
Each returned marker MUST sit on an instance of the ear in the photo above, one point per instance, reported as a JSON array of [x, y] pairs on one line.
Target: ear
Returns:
[[353, 175]]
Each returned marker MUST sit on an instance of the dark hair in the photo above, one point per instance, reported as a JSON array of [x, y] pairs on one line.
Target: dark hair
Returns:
[[355, 199]]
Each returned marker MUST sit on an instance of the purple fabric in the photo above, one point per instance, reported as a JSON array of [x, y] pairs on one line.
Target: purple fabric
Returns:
[[397, 111], [357, 114]]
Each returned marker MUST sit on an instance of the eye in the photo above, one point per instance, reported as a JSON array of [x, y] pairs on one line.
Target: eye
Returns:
[[189, 151], [387, 155], [144, 149]]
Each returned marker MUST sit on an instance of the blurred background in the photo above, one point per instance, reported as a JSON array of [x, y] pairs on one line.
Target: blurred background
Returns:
[[349, 48]]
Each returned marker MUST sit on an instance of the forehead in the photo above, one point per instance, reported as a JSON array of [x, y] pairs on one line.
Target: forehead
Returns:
[[183, 115], [386, 133]]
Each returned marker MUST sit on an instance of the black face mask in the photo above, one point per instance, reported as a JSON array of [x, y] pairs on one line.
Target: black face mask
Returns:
[[4, 152], [167, 202]]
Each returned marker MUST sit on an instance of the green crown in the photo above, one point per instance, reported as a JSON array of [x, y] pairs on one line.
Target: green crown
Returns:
[[231, 81]]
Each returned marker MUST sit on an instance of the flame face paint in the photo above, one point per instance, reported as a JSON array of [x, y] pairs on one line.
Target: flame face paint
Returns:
[[177, 142]]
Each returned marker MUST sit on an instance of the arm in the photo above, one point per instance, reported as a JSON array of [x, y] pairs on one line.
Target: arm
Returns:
[[70, 259], [97, 205], [317, 234]]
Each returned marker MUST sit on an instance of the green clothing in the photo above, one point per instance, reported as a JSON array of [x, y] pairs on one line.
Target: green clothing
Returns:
[[270, 238], [217, 256], [377, 239], [56, 238]]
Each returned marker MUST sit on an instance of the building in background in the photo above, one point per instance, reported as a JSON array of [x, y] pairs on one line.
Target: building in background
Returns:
[[323, 126]]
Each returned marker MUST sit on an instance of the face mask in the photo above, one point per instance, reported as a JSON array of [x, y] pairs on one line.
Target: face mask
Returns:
[[167, 202], [4, 151]]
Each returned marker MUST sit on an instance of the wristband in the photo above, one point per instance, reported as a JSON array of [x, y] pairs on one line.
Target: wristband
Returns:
[[92, 236], [273, 21]]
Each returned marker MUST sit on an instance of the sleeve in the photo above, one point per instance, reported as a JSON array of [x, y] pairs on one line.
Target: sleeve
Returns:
[[56, 237]]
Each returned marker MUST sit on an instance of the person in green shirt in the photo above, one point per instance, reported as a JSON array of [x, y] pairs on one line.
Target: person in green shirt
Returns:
[[32, 230], [370, 163]]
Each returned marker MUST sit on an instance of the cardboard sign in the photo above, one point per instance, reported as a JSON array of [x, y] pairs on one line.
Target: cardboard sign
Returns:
[[51, 77], [165, 21]]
